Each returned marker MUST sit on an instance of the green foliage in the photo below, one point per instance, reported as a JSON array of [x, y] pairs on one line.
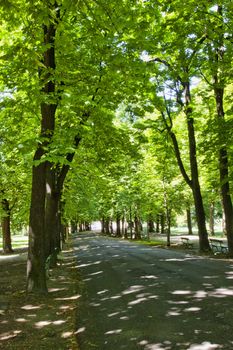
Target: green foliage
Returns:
[[120, 66]]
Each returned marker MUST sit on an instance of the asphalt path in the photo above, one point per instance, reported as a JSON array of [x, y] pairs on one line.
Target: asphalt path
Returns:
[[140, 297]]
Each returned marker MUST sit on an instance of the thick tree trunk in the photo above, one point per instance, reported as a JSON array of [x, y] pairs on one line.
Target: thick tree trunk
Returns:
[[219, 82], [194, 181], [52, 224], [198, 202], [225, 191], [6, 227], [36, 270], [36, 274], [195, 185]]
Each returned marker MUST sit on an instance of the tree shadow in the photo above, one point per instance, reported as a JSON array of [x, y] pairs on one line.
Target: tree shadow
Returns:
[[137, 297], [32, 322]]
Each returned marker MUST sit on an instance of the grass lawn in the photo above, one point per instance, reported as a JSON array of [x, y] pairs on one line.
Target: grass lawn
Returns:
[[18, 241]]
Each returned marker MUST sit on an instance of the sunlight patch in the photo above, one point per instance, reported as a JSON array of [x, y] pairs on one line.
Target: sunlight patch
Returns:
[[58, 322], [203, 346], [173, 313], [42, 324], [229, 275], [95, 273], [138, 301], [103, 291], [21, 320], [181, 292], [192, 309], [222, 292], [74, 297], [200, 294], [66, 335], [80, 330], [31, 307], [149, 277], [133, 289], [114, 331], [113, 314], [9, 335], [51, 290]]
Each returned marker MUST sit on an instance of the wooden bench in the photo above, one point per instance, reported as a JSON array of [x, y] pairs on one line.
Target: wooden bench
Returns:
[[218, 246], [186, 242]]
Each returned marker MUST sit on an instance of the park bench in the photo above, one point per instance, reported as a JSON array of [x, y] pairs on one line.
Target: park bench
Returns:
[[186, 242], [218, 246]]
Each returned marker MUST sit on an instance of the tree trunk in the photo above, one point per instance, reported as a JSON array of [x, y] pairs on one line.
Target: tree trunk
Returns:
[[123, 226], [198, 202], [223, 220], [6, 227], [36, 273], [195, 185], [157, 223], [223, 153], [103, 225], [52, 226], [211, 221], [168, 219], [150, 223], [189, 221], [107, 226], [137, 224], [223, 170], [130, 223], [194, 181], [73, 226], [118, 225], [162, 223]]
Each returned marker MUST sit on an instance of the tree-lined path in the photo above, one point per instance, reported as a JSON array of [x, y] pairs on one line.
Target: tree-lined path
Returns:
[[139, 297]]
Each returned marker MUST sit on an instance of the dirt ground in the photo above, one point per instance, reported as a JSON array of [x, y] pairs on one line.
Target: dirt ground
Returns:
[[27, 322]]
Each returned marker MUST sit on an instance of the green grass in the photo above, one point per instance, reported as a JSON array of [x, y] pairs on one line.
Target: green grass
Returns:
[[18, 241], [150, 243]]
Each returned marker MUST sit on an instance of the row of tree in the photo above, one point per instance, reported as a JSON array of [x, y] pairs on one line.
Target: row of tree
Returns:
[[121, 110]]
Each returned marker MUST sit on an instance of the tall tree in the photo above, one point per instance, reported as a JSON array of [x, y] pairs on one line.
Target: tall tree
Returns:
[[219, 53]]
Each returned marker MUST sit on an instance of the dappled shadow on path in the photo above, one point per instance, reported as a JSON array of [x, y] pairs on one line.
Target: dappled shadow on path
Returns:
[[147, 298], [32, 322]]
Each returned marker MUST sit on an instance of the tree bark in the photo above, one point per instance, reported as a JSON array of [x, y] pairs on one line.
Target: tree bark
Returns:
[[150, 223], [6, 227], [137, 224], [162, 223], [157, 223], [194, 181], [189, 221], [118, 225], [198, 202], [223, 152], [36, 273], [168, 219], [211, 221]]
